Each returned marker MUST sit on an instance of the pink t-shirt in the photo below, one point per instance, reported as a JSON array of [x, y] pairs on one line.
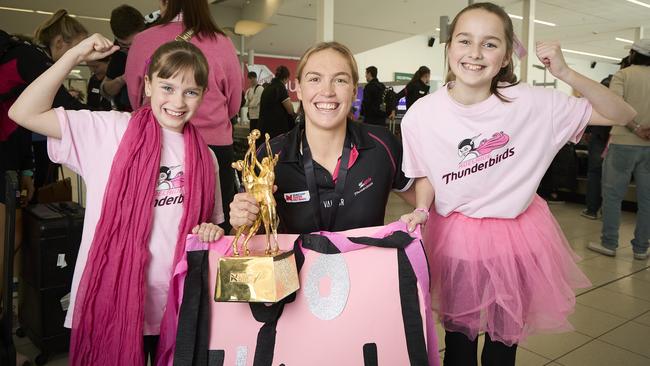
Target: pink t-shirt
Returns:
[[89, 141], [225, 80], [487, 159]]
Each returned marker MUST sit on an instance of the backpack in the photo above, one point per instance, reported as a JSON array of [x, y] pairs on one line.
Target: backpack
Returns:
[[6, 42], [388, 99], [7, 97]]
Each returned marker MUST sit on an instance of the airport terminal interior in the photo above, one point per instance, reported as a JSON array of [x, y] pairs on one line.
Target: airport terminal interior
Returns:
[[611, 319]]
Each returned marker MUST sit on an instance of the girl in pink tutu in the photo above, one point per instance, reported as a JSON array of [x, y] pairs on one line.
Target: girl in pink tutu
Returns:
[[498, 259]]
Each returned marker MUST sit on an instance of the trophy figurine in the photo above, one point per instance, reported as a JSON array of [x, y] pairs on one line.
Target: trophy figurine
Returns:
[[267, 276]]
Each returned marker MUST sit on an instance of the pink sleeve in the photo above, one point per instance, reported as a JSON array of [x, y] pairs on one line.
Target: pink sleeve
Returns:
[[412, 164], [134, 72], [234, 79], [88, 141], [217, 213], [570, 117]]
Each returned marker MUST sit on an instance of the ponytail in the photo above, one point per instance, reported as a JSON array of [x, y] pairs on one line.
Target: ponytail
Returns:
[[60, 23]]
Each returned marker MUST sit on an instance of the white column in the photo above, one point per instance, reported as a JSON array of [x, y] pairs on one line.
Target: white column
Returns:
[[251, 57], [528, 40], [242, 55], [639, 33], [325, 21]]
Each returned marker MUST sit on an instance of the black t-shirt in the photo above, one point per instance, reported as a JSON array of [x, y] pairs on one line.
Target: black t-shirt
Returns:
[[413, 91], [375, 172], [96, 102], [116, 68], [372, 95], [274, 118]]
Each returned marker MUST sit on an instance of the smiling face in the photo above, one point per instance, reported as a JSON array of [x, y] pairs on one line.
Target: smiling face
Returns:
[[174, 100], [326, 89], [478, 49]]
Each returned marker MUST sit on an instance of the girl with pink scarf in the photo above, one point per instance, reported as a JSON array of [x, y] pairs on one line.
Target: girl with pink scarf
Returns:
[[133, 235]]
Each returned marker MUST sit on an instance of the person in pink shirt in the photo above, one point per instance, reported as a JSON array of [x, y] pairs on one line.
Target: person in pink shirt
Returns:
[[225, 83], [480, 145], [134, 226]]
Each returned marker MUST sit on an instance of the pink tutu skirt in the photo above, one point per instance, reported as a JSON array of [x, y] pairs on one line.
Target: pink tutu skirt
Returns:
[[507, 277]]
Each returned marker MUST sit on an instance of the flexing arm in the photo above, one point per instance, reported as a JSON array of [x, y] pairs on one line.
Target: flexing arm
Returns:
[[608, 108], [33, 108]]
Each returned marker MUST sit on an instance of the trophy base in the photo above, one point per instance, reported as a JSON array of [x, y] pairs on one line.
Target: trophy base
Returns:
[[264, 278]]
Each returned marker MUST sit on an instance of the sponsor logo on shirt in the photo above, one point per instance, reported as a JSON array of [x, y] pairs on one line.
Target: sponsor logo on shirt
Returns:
[[477, 158], [296, 197], [364, 184]]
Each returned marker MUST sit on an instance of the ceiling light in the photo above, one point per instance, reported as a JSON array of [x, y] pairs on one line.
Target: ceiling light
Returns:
[[536, 20], [590, 54], [544, 23], [16, 9], [624, 40], [92, 18], [249, 27], [639, 3], [50, 13]]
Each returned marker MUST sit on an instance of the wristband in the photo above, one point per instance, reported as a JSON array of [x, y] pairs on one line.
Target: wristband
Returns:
[[423, 210]]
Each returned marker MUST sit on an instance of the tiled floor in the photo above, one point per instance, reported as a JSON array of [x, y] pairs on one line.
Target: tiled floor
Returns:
[[611, 319]]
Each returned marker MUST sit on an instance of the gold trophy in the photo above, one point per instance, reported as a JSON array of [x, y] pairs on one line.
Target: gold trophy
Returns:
[[267, 276]]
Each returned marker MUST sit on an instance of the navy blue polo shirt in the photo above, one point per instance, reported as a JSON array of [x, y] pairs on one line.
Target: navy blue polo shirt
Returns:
[[375, 172]]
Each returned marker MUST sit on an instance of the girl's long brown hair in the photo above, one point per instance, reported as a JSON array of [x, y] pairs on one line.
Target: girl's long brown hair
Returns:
[[196, 16], [507, 73]]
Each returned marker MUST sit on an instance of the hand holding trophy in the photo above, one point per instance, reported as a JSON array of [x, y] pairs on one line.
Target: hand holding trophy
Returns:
[[261, 277]]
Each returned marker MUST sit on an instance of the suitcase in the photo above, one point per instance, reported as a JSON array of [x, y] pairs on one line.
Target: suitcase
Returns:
[[52, 235], [7, 348]]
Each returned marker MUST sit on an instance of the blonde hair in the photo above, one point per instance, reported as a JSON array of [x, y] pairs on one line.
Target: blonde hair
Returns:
[[60, 23], [338, 47]]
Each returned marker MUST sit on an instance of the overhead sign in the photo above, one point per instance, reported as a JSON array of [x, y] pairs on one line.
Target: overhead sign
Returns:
[[402, 76]]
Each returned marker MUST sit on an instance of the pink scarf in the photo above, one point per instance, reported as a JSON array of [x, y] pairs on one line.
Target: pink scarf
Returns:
[[107, 326]]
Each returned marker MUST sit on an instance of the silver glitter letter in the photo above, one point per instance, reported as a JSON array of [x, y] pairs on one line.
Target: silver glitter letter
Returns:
[[334, 267], [242, 356]]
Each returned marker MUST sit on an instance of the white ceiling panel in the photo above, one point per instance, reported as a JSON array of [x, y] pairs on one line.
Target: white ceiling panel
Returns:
[[584, 25]]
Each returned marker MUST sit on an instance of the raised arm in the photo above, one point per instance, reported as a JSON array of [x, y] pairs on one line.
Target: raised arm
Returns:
[[33, 108], [608, 108]]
